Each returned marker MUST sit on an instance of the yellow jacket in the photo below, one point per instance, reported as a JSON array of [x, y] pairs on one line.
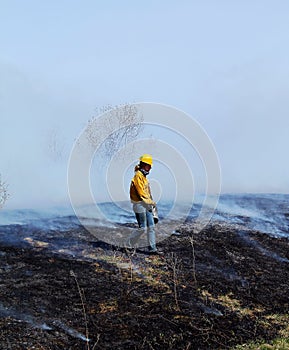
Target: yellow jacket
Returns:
[[140, 188]]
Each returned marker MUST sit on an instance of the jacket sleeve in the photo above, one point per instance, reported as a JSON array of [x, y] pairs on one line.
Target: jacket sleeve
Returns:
[[143, 191]]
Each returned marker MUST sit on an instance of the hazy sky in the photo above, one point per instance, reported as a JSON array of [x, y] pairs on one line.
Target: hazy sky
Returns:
[[226, 63]]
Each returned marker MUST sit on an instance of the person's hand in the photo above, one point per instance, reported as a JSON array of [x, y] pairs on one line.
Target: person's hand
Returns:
[[150, 207]]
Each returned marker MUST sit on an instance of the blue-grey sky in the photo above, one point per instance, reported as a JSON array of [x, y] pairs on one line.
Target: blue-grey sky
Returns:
[[226, 63]]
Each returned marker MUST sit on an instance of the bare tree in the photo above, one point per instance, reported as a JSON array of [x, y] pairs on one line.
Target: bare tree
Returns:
[[4, 194], [121, 123], [55, 145]]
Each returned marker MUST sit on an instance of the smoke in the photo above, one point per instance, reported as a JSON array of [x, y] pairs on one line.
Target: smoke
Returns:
[[35, 322]]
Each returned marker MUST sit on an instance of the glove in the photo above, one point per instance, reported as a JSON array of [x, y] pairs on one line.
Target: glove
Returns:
[[155, 215], [150, 207]]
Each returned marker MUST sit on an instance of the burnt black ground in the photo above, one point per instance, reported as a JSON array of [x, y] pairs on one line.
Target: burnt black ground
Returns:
[[212, 289]]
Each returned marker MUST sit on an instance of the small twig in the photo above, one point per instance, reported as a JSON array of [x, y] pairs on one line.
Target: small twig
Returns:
[[131, 269], [83, 308], [189, 345], [194, 258], [167, 320], [98, 337]]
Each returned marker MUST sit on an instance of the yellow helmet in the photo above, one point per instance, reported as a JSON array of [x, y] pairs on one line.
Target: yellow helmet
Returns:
[[146, 158]]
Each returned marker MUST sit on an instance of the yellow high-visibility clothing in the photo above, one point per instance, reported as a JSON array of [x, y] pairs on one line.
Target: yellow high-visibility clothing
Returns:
[[140, 189]]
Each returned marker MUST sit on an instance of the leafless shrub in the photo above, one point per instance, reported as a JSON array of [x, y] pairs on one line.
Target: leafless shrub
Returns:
[[72, 273], [4, 194], [82, 297], [121, 123], [175, 263]]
